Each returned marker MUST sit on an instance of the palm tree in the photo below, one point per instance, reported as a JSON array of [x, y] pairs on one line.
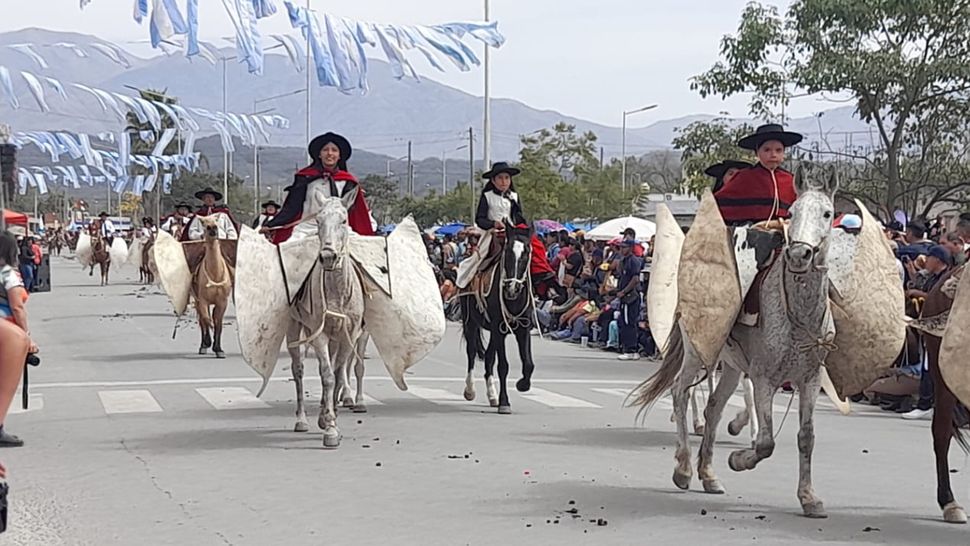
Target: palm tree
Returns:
[[140, 147]]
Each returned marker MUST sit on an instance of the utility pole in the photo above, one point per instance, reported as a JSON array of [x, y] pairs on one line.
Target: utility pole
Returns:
[[487, 157], [308, 102], [444, 174], [471, 168], [410, 173], [225, 110], [601, 158]]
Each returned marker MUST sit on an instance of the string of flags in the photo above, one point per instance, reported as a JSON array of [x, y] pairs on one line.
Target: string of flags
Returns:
[[336, 43]]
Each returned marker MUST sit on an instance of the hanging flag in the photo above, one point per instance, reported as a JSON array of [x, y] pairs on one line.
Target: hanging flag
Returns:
[[57, 87], [36, 90], [6, 85], [167, 183], [112, 53], [28, 50], [163, 142]]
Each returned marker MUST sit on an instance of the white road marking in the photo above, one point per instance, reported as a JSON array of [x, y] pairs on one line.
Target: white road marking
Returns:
[[36, 403], [438, 396], [211, 380], [556, 400], [226, 398], [138, 401], [316, 392]]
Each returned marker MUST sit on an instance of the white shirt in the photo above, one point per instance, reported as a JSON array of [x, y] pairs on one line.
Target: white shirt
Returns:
[[107, 228]]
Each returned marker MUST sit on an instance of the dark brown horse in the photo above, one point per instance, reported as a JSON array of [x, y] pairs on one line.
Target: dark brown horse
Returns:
[[100, 251], [946, 425]]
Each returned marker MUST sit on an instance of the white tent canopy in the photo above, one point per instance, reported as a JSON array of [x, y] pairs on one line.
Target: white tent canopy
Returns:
[[612, 229]]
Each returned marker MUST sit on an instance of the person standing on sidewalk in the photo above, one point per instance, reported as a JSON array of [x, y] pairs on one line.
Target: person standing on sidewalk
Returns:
[[630, 301]]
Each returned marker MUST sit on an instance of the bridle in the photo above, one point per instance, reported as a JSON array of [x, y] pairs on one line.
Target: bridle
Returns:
[[523, 318]]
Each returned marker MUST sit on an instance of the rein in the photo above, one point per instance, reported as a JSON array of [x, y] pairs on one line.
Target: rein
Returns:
[[522, 319]]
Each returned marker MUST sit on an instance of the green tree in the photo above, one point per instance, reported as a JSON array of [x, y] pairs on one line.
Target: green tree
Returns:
[[704, 143], [139, 146], [187, 184], [906, 66]]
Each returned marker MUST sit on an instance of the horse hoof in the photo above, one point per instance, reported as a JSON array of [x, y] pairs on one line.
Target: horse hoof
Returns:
[[814, 510], [954, 513], [713, 486], [681, 480], [505, 410], [348, 402], [220, 354], [203, 351], [523, 385], [734, 431], [493, 402], [734, 461], [698, 430], [331, 440], [301, 426], [360, 408], [469, 394]]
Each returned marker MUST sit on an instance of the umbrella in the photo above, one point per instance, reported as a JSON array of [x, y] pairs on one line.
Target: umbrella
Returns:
[[11, 217], [545, 226], [450, 229], [613, 228]]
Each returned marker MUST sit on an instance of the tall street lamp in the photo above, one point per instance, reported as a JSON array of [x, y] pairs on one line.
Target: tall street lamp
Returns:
[[623, 138], [256, 103]]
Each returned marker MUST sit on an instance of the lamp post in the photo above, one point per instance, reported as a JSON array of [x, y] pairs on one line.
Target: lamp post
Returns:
[[623, 139]]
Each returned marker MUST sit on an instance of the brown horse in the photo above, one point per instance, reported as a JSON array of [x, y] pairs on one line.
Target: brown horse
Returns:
[[946, 425], [146, 272], [57, 243], [211, 287], [100, 252]]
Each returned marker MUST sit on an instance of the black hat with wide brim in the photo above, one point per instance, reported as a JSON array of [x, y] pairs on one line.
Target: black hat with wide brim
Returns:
[[103, 213], [208, 191], [499, 168], [270, 203], [183, 205], [770, 131], [718, 170], [320, 141]]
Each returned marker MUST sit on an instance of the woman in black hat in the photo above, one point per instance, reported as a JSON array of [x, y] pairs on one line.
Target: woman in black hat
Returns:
[[328, 174], [763, 192], [724, 171], [174, 222], [270, 208], [497, 205]]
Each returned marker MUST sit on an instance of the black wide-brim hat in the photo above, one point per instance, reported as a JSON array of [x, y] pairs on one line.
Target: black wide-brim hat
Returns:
[[770, 131], [208, 191], [320, 141], [270, 203], [499, 168], [103, 213], [183, 205], [718, 170]]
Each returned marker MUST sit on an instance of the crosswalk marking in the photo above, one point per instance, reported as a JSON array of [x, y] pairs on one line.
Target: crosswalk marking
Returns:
[[438, 396], [556, 400], [136, 401], [36, 403], [317, 392], [228, 398]]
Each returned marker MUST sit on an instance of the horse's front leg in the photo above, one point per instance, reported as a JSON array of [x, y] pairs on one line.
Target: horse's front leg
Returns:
[[943, 430], [764, 445], [360, 406], [504, 407], [812, 506], [205, 322], [296, 366], [523, 338], [491, 390], [218, 314], [472, 334], [328, 412]]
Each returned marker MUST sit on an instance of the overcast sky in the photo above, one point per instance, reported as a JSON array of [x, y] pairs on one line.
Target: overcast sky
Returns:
[[586, 59]]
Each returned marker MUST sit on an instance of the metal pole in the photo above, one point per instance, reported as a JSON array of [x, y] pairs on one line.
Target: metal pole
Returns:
[[601, 158], [623, 155], [410, 173], [308, 75], [388, 174], [471, 169], [444, 174], [487, 151], [225, 110], [255, 172]]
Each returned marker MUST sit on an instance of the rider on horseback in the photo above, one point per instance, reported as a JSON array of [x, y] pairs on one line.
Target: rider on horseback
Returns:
[[765, 191], [176, 221], [497, 205], [195, 231], [106, 229]]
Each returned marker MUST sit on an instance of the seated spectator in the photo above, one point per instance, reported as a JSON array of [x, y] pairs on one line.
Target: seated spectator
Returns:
[[15, 343]]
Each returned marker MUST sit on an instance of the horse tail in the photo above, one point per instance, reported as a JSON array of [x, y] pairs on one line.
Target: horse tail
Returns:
[[655, 386]]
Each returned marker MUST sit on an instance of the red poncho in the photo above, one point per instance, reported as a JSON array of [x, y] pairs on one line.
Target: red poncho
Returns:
[[750, 196], [358, 217]]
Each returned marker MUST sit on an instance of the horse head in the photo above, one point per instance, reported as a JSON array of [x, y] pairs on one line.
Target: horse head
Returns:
[[811, 223], [210, 227], [516, 257], [333, 231]]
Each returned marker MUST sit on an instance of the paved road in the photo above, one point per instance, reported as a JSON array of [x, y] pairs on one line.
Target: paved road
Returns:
[[134, 439]]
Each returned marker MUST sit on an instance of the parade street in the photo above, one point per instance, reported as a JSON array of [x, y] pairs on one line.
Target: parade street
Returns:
[[133, 438]]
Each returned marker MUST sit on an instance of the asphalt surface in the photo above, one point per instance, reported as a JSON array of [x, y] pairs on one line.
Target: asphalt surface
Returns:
[[133, 438]]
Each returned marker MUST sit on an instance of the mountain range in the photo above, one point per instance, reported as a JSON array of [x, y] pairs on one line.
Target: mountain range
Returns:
[[434, 117]]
